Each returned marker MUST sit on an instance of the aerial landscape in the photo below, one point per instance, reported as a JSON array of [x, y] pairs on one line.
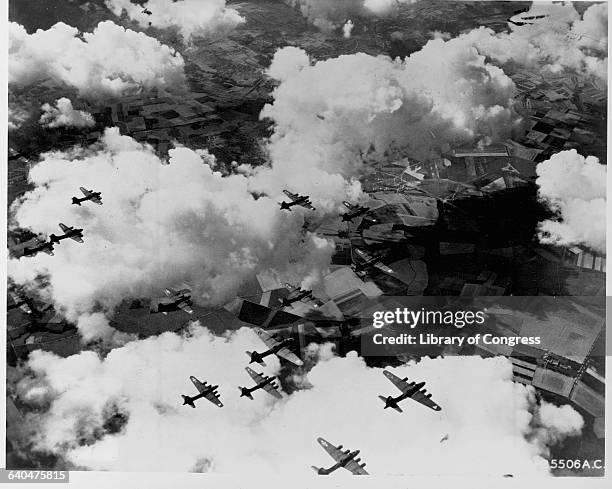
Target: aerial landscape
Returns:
[[307, 237]]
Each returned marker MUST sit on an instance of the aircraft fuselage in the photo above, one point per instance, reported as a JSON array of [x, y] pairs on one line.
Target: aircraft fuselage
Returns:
[[78, 200], [246, 391], [302, 294], [359, 267], [341, 463], [349, 216], [393, 402], [258, 357], [73, 233]]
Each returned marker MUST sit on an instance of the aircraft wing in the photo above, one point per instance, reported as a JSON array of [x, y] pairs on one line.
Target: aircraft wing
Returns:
[[85, 192], [96, 200], [77, 239], [258, 378], [399, 383], [383, 268], [355, 468], [288, 355], [291, 288], [334, 451], [307, 205], [185, 307], [64, 227], [292, 196], [348, 205], [47, 250], [338, 455], [425, 399], [312, 301], [214, 399], [266, 338], [198, 385], [270, 389]]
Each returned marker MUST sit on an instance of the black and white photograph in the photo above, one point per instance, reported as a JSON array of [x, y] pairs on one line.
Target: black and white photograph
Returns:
[[299, 241]]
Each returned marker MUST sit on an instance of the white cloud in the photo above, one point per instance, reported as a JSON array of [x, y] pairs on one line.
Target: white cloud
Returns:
[[16, 117], [64, 115], [560, 41], [110, 60], [592, 30], [385, 7], [575, 188], [160, 225], [554, 43], [191, 17], [329, 113], [347, 29], [501, 422], [328, 15]]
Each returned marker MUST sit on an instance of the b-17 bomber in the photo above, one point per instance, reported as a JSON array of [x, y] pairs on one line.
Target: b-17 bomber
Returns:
[[173, 301], [346, 459], [37, 247], [298, 294], [69, 232], [354, 211], [366, 260], [296, 199], [275, 347], [207, 391], [410, 390], [261, 382], [95, 197]]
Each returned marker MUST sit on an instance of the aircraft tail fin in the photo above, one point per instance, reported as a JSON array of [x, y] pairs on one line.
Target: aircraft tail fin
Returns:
[[76, 201], [259, 361], [244, 392], [385, 400], [188, 401]]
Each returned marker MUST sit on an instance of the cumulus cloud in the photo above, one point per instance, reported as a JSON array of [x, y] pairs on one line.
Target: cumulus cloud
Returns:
[[191, 17], [124, 413], [16, 117], [554, 423], [347, 29], [160, 225], [110, 60], [328, 15], [592, 30], [560, 41], [575, 188], [64, 115], [329, 113], [385, 7]]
